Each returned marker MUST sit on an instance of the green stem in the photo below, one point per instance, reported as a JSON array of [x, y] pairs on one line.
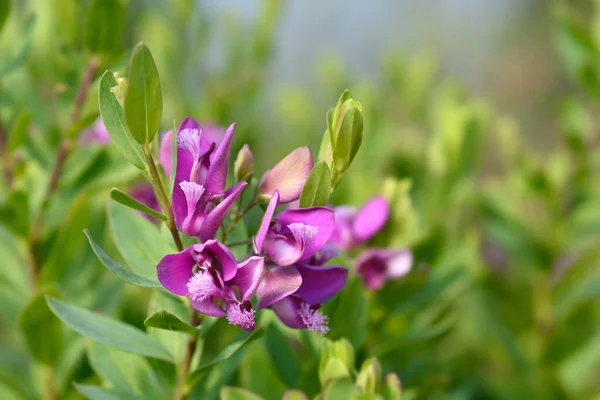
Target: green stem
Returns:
[[161, 196]]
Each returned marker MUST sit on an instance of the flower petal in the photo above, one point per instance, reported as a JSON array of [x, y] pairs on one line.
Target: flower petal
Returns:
[[320, 283], [277, 283], [343, 234], [216, 216], [208, 307], [320, 217], [375, 266], [180, 208], [217, 173], [248, 276], [288, 176], [223, 254], [371, 218], [287, 310], [281, 250], [259, 238], [175, 270]]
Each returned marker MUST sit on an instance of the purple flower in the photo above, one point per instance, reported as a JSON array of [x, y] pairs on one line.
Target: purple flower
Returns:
[[375, 266], [293, 244], [353, 227], [215, 283], [295, 313], [200, 201], [288, 176]]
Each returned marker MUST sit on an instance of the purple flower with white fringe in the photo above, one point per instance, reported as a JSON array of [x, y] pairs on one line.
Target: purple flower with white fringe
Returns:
[[376, 266], [295, 277], [215, 283]]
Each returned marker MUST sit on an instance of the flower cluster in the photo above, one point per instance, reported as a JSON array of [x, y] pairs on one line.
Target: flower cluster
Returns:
[[286, 271], [355, 227]]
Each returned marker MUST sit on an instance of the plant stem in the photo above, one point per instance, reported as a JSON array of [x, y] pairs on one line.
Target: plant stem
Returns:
[[180, 389], [161, 196]]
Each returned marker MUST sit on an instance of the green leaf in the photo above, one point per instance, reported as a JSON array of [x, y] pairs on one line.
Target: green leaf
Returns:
[[317, 188], [333, 117], [341, 388], [42, 330], [125, 372], [143, 98], [4, 12], [349, 136], [294, 394], [127, 200], [139, 241], [16, 56], [325, 151], [19, 130], [175, 342], [225, 354], [163, 319], [93, 392], [104, 26], [350, 318], [107, 330], [120, 271], [284, 358], [232, 393], [114, 122]]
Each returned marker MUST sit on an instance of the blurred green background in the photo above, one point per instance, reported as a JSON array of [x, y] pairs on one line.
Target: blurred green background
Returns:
[[481, 125]]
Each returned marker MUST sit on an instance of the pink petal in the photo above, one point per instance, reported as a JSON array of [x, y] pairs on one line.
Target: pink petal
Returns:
[[371, 218], [320, 283], [219, 165], [217, 215], [281, 250], [248, 276], [259, 238], [288, 176], [175, 270], [223, 254], [287, 310], [208, 307], [320, 217], [277, 283]]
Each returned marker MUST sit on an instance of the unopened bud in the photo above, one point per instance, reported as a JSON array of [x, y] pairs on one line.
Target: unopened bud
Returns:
[[368, 377], [244, 165], [120, 89]]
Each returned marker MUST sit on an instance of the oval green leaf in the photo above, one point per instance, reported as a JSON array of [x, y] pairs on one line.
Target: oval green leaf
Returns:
[[162, 319], [317, 188], [143, 98]]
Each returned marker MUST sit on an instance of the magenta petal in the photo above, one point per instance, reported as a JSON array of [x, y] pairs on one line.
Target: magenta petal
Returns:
[[320, 283], [288, 176], [371, 218], [223, 254], [320, 217], [216, 216], [277, 283], [175, 270], [375, 266], [248, 276], [259, 238], [343, 234], [208, 307], [281, 250], [287, 310], [180, 208], [217, 173]]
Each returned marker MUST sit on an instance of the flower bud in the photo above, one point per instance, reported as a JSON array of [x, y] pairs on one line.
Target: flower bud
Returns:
[[368, 377], [391, 388], [243, 167], [288, 176], [337, 359], [120, 89]]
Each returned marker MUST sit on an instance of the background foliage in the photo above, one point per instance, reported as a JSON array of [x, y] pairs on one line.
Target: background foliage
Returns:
[[502, 302]]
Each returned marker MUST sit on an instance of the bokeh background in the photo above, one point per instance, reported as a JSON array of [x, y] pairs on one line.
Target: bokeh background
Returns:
[[480, 129]]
